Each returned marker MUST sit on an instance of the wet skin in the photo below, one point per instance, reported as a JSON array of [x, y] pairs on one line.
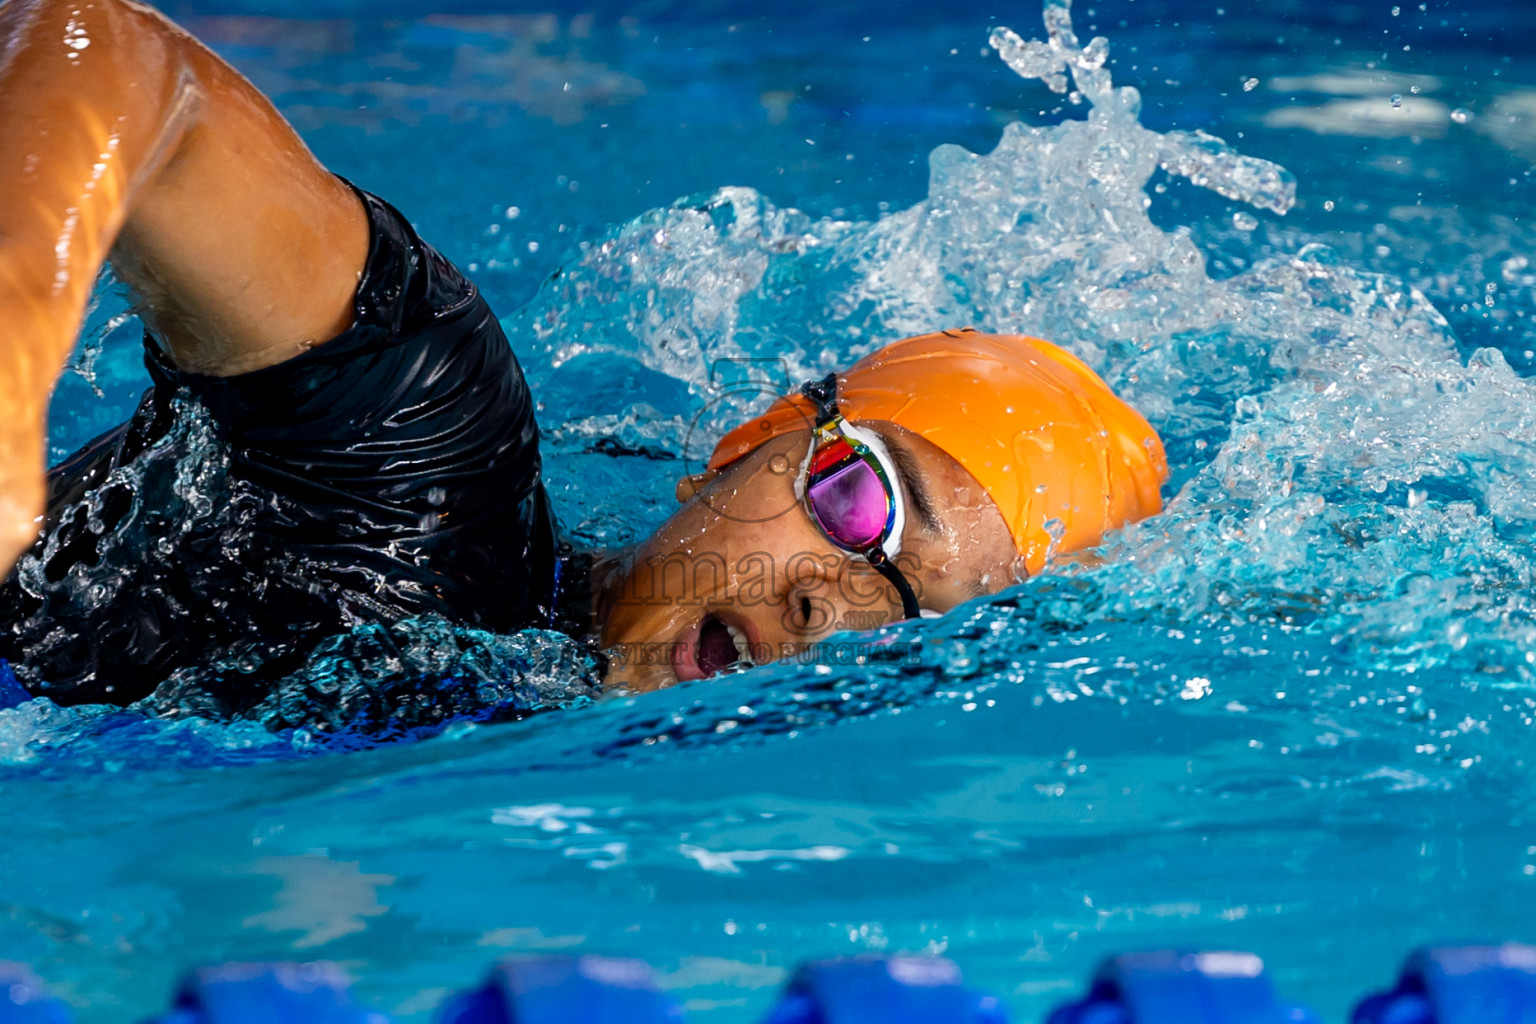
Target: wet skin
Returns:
[[742, 563]]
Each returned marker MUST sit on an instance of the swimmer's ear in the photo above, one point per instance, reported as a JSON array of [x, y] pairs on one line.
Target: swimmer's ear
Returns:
[[688, 486]]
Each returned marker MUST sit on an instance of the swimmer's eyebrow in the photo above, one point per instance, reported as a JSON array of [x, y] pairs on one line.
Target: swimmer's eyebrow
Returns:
[[911, 479]]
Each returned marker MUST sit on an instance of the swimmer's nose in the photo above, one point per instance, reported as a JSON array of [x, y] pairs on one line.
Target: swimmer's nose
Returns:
[[807, 612]]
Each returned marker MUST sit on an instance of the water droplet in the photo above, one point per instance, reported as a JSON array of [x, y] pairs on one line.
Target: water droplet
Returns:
[[436, 496], [1250, 84], [1414, 89], [1396, 11], [1244, 221], [1195, 688], [1461, 115], [958, 661], [1328, 205], [1096, 52], [1397, 101]]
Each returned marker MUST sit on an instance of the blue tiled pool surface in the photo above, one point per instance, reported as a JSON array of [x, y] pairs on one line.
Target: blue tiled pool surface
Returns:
[[1291, 715]]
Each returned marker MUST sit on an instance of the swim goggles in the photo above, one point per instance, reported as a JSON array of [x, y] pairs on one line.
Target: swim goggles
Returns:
[[849, 486]]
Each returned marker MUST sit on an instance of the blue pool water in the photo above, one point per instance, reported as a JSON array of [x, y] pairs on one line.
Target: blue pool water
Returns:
[[1290, 715]]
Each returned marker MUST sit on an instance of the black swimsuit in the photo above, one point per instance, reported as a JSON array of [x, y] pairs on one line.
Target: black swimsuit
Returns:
[[390, 472]]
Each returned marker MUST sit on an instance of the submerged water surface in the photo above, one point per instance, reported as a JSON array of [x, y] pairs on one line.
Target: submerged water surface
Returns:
[[1291, 714]]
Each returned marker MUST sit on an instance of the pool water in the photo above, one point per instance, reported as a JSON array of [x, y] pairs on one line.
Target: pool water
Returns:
[[1289, 715]]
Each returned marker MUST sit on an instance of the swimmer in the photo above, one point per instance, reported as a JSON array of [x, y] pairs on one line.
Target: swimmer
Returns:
[[382, 455]]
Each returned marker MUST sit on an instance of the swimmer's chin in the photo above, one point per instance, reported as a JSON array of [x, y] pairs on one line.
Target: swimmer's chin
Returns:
[[635, 668], [624, 682]]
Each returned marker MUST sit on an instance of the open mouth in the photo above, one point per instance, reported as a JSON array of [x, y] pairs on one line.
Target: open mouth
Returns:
[[720, 647]]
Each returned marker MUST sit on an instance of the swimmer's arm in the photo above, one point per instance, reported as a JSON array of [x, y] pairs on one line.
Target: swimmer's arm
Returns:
[[120, 134]]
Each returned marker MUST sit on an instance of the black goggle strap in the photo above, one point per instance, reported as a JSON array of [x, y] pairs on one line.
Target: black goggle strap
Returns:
[[898, 579], [824, 394]]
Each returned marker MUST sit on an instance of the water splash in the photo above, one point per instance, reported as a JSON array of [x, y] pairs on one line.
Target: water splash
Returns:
[[177, 504], [378, 683], [1203, 159], [1337, 468], [1339, 472], [102, 322], [1053, 218]]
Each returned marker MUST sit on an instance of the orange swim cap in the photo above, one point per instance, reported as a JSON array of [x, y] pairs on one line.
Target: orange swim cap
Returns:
[[1041, 433]]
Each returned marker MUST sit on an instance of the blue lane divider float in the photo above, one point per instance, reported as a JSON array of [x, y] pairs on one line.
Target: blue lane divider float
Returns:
[[1181, 988], [1459, 985], [883, 990], [23, 997], [275, 993], [565, 990], [1449, 985]]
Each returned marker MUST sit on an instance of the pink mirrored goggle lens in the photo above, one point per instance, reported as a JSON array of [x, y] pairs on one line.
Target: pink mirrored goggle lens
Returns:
[[851, 505]]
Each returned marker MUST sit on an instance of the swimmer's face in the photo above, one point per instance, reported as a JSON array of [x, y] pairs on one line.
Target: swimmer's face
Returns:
[[741, 574]]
